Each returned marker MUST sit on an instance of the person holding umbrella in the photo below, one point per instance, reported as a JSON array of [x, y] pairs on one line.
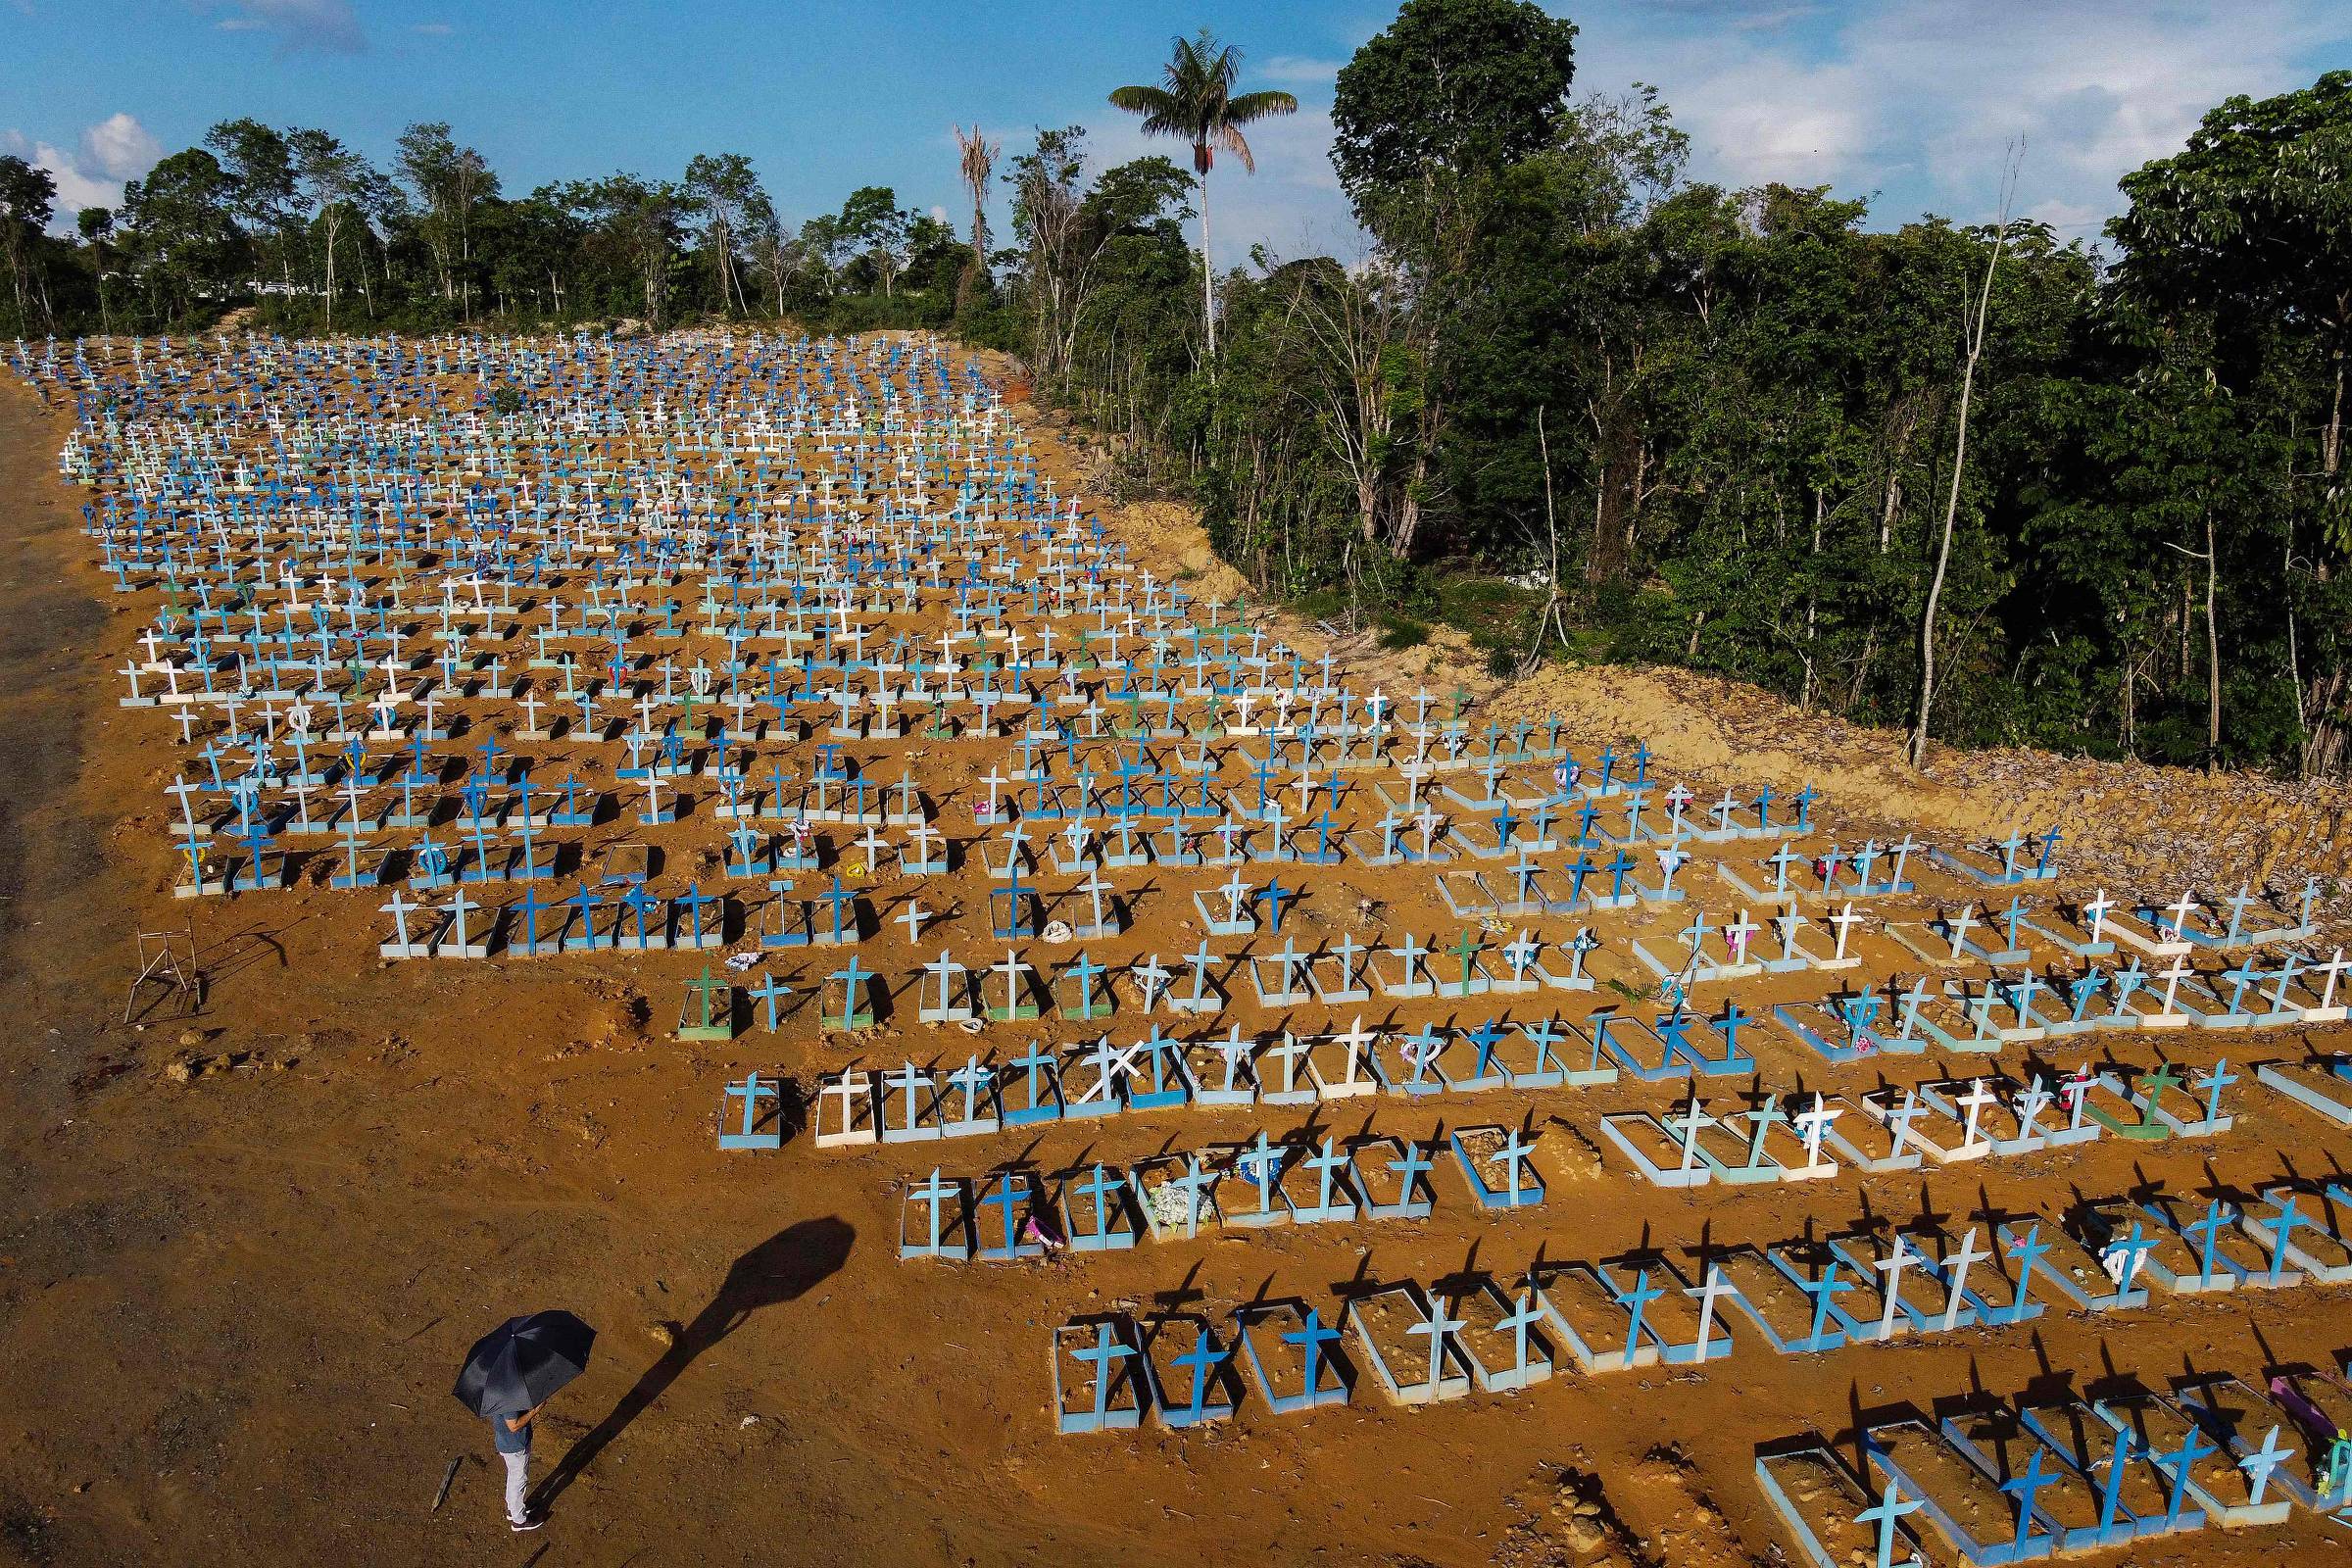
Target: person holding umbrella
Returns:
[[507, 1377]]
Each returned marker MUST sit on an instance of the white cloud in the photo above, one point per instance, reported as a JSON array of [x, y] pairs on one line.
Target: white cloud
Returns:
[[433, 29], [331, 26], [116, 149], [1292, 70], [1912, 102], [74, 189], [119, 147], [2070, 219], [1919, 99]]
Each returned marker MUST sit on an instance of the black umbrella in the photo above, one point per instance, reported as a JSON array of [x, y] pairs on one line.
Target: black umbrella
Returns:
[[520, 1362]]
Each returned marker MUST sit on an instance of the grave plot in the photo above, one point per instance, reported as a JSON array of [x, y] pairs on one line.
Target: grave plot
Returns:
[[1830, 1514], [1998, 1481]]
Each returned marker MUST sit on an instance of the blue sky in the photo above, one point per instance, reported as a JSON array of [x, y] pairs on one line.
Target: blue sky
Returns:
[[1911, 102]]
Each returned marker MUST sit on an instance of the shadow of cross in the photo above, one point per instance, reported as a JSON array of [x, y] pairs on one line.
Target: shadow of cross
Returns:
[[781, 1268]]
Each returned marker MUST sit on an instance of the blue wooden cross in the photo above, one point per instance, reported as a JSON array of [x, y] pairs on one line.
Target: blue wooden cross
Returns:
[[1822, 1291], [1890, 1506], [1436, 1325], [1326, 1163], [752, 1091], [853, 977], [637, 901], [1203, 1361], [2194, 1448], [2208, 1232], [1106, 1349], [530, 910], [839, 899], [586, 901], [769, 992], [1101, 1185], [1007, 1199], [1636, 1301], [1311, 1337], [2133, 1247], [2258, 1464], [2029, 1250], [694, 901], [1272, 896], [2282, 1224], [2026, 1487], [1262, 1162]]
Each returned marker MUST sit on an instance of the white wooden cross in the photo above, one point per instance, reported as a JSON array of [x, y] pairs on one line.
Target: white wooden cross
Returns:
[[1979, 1095], [2096, 912], [2180, 909], [1811, 1125], [1708, 1293], [1845, 919], [1959, 1263], [1893, 1266], [1689, 1122]]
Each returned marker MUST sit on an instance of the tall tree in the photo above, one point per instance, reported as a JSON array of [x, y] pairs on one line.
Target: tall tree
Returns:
[[96, 225], [978, 159], [775, 253], [27, 196], [453, 181], [332, 181], [1195, 103], [426, 158], [726, 191], [1068, 233], [1428, 115], [640, 223], [872, 223], [260, 166], [1974, 339], [2251, 224], [182, 238], [2255, 219]]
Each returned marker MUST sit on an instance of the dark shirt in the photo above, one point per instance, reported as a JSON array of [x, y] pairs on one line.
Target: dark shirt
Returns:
[[509, 1442]]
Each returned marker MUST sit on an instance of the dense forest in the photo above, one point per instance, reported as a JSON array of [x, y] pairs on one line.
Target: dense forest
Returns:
[[1964, 479]]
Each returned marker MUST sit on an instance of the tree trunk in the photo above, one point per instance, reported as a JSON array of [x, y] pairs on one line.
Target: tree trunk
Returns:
[[1208, 273], [2213, 658], [2331, 448], [1812, 607], [2128, 698], [1952, 508]]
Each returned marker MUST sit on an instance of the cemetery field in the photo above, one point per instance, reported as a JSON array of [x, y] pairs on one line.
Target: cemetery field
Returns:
[[1483, 1041]]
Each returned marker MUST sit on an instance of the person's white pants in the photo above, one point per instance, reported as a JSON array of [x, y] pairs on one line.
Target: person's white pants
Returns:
[[519, 1467]]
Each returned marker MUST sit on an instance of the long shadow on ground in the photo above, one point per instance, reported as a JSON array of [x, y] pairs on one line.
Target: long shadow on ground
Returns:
[[779, 1269]]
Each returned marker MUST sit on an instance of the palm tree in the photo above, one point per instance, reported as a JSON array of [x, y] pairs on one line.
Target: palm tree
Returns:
[[979, 158], [1196, 104]]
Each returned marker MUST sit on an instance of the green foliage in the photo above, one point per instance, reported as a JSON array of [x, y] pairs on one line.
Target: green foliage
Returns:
[[1726, 421], [1451, 88], [1195, 103]]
